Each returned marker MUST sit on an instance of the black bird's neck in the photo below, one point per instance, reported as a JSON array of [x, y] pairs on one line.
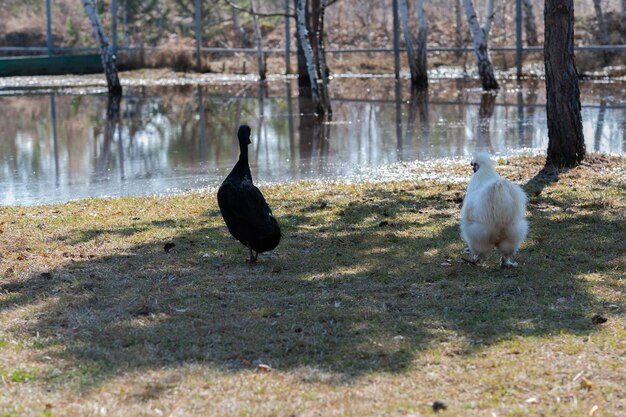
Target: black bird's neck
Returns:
[[242, 164]]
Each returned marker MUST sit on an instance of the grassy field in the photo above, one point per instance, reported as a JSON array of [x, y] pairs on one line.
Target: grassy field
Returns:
[[146, 306]]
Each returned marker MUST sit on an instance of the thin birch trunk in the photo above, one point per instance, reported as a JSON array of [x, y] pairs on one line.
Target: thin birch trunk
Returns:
[[321, 59], [480, 38], [108, 58], [241, 34], [305, 43], [259, 45], [529, 23]]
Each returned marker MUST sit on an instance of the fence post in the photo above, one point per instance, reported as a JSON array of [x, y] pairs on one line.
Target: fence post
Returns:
[[49, 27], [287, 39], [518, 37], [114, 25], [198, 32], [396, 40]]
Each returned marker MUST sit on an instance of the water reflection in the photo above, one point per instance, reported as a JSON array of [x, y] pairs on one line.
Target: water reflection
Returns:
[[56, 147]]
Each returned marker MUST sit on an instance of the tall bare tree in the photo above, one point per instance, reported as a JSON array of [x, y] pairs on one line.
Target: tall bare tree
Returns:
[[311, 59], [417, 57], [602, 29], [566, 143], [304, 45], [259, 43], [106, 50], [458, 29], [480, 37], [529, 23]]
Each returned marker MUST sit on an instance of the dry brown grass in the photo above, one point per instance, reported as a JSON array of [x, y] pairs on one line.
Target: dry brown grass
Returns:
[[353, 319]]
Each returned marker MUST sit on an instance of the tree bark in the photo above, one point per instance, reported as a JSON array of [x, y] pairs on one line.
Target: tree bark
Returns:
[[259, 44], [458, 30], [322, 69], [529, 23], [422, 36], [480, 37], [602, 29], [241, 34], [108, 58], [566, 143], [417, 58], [307, 51]]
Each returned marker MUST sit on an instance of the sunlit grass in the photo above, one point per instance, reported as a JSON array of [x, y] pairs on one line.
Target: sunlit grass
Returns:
[[365, 308]]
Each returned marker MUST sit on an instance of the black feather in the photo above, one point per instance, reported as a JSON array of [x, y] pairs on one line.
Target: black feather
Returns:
[[244, 209]]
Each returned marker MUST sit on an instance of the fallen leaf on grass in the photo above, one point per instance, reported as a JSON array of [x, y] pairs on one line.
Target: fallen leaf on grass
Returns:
[[264, 368], [598, 319], [585, 383]]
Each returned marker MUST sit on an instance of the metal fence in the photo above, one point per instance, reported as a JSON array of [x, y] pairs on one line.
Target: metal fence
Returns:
[[519, 48]]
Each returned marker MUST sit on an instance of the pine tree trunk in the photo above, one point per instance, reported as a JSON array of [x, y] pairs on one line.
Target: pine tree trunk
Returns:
[[481, 50], [108, 58], [566, 143], [529, 23]]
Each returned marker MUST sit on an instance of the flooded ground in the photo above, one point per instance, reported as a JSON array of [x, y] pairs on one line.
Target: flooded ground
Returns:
[[56, 143]]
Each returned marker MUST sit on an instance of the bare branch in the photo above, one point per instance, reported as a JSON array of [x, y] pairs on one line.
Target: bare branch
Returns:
[[247, 10]]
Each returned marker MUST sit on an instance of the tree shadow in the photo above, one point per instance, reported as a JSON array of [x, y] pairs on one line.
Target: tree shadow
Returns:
[[355, 286]]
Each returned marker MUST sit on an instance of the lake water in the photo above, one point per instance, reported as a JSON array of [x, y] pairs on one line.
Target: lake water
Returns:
[[56, 144]]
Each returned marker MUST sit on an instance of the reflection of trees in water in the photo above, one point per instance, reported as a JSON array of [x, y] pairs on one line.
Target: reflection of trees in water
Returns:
[[111, 124], [313, 130], [485, 113], [418, 106], [597, 136]]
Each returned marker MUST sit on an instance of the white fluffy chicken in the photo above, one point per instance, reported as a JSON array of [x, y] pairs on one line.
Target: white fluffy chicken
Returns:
[[493, 213]]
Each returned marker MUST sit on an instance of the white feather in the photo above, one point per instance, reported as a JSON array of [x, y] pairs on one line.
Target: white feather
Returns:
[[493, 213]]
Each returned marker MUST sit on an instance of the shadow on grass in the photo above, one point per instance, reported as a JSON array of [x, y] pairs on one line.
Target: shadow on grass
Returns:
[[343, 292]]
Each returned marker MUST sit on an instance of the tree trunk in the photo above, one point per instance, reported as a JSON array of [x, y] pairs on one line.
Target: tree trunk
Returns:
[[303, 75], [422, 35], [417, 59], [259, 45], [529, 23], [458, 29], [480, 37], [408, 39], [108, 58], [566, 143], [307, 51], [602, 30], [322, 69], [241, 34]]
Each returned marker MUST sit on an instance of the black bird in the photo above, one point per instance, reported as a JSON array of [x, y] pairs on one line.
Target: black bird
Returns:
[[245, 211]]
